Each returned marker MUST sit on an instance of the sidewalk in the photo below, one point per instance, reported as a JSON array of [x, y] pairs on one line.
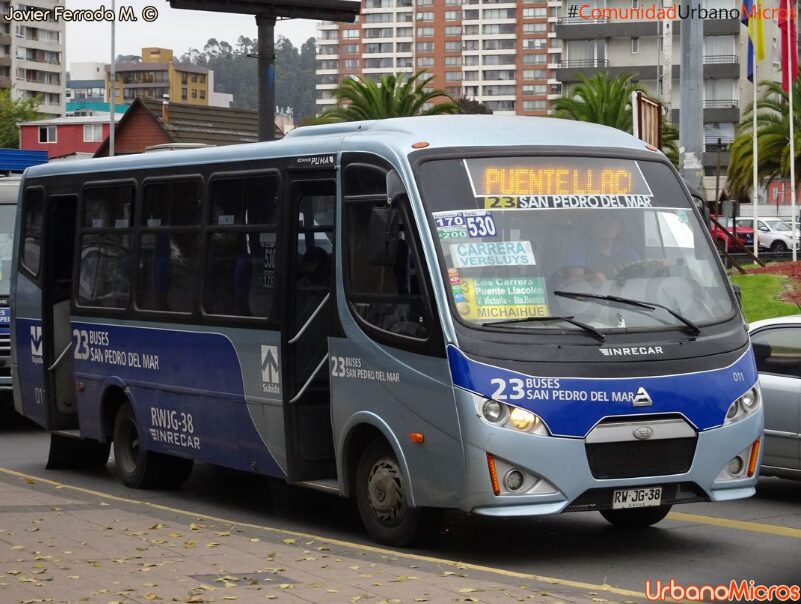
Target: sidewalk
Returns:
[[60, 544]]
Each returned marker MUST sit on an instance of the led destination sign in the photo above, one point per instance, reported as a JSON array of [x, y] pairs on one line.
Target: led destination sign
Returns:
[[545, 183]]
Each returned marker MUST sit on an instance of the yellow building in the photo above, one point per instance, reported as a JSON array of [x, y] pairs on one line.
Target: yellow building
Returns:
[[158, 74]]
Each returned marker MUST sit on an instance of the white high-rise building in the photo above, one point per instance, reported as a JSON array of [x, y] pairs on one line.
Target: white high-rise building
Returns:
[[32, 57]]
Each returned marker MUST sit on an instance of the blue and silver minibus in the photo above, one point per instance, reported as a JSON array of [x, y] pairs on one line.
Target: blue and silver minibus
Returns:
[[9, 191], [509, 316]]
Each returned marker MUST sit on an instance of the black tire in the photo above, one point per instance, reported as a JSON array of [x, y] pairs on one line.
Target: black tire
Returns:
[[139, 468], [779, 247], [636, 518], [381, 500]]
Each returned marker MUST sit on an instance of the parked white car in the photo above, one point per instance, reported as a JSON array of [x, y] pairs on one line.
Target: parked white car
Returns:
[[775, 234], [777, 348]]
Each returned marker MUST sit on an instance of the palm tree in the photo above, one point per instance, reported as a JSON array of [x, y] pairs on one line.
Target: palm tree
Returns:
[[360, 98], [603, 99], [773, 140]]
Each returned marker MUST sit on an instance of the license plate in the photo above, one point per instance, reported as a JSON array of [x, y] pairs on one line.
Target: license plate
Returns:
[[636, 498]]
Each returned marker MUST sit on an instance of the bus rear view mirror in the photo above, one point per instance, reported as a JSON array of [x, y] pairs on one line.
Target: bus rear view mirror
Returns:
[[382, 236]]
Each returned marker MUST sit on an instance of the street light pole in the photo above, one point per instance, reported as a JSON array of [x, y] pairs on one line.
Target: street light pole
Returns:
[[112, 75]]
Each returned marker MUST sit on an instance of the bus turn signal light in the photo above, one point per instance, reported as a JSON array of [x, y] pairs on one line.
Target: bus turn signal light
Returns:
[[752, 463], [496, 486], [420, 145], [417, 438]]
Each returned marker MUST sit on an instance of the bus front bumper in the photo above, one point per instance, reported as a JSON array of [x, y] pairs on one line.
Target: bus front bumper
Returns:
[[558, 476]]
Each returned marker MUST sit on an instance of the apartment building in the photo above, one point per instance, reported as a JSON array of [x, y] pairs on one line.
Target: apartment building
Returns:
[[502, 53], [638, 47], [157, 74], [32, 57]]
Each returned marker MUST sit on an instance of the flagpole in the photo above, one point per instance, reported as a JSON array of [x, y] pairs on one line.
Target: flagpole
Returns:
[[791, 82], [755, 195]]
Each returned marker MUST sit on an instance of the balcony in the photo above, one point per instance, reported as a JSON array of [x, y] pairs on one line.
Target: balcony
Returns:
[[588, 29], [584, 63], [569, 71], [720, 103], [720, 59]]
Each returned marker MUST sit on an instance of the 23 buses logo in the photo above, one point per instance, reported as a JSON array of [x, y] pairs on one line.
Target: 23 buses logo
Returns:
[[36, 344]]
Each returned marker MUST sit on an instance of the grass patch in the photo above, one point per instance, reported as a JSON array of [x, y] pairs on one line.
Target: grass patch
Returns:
[[760, 296]]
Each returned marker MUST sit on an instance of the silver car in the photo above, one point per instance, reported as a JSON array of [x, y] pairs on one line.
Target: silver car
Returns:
[[777, 348]]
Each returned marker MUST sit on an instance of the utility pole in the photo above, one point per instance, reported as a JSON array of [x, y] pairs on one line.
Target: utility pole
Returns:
[[691, 114], [666, 61]]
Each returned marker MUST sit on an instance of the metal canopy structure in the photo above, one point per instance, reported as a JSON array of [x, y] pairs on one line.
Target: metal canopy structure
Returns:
[[266, 13]]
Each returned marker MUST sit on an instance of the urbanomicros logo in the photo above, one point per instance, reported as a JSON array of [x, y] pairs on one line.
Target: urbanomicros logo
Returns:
[[734, 591]]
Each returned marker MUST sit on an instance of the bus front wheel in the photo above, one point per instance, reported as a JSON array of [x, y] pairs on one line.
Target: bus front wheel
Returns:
[[138, 467], [382, 502], [636, 518]]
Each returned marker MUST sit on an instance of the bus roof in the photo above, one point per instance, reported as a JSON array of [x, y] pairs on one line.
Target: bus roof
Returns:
[[397, 134]]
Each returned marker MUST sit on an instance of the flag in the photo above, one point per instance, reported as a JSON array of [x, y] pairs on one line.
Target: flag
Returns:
[[789, 51], [756, 37]]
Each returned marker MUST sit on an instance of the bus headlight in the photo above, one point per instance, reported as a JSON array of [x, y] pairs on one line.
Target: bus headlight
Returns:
[[493, 411], [510, 417], [744, 406]]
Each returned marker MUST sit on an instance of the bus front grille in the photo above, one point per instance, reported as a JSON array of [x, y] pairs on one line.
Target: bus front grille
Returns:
[[5, 345], [630, 459]]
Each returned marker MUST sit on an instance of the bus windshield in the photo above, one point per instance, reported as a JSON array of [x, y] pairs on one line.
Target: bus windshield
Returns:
[[7, 215], [521, 237]]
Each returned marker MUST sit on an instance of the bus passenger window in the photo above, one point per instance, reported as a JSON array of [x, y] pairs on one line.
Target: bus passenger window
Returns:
[[104, 274], [168, 246], [33, 219], [240, 262], [387, 296]]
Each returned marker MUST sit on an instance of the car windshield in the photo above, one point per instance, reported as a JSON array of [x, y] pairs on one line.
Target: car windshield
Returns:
[[778, 225], [518, 237], [7, 215]]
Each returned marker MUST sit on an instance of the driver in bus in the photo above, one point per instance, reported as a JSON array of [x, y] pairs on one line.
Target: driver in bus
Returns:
[[603, 252]]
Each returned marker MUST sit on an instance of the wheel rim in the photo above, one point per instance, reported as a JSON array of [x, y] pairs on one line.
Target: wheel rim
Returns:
[[129, 446], [385, 492], [780, 247]]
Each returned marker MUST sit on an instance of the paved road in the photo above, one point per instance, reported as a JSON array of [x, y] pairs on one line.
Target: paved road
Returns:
[[755, 539]]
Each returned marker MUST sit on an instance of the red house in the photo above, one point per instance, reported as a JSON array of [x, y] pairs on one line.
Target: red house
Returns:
[[63, 136]]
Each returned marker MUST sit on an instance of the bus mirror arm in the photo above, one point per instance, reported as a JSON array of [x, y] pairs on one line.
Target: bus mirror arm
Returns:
[[382, 236], [61, 357]]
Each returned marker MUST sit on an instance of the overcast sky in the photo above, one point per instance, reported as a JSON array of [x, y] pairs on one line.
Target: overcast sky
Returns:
[[176, 29]]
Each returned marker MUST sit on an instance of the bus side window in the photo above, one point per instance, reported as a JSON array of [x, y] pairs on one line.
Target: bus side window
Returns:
[[105, 249], [169, 246], [387, 296], [33, 219], [241, 245]]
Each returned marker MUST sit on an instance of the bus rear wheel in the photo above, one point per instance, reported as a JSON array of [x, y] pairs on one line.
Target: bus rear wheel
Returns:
[[636, 518], [382, 502], [138, 467]]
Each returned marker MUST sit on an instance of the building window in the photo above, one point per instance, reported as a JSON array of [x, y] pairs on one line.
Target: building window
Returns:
[[425, 61], [534, 59], [48, 134], [453, 61], [350, 33], [425, 16], [471, 15], [202, 94], [183, 94], [453, 46], [184, 78], [453, 76], [425, 32], [532, 28], [425, 2], [425, 47], [93, 133], [635, 46], [453, 30], [350, 64], [534, 105], [452, 15], [194, 93]]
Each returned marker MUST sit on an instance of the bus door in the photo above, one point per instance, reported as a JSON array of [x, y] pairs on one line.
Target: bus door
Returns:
[[52, 402], [307, 325]]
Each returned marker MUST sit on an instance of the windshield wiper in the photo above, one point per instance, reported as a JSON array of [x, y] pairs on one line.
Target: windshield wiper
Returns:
[[691, 327], [569, 319]]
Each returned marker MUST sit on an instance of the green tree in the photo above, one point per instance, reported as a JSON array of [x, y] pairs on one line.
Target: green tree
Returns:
[[604, 99], [359, 98], [13, 111], [773, 140], [473, 107]]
